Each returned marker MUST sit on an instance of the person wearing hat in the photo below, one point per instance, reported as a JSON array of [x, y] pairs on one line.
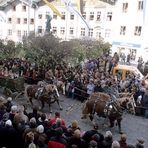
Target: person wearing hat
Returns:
[[140, 143]]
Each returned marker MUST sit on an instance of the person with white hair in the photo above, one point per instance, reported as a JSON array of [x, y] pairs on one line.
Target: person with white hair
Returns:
[[115, 144], [8, 104], [108, 139], [12, 112], [41, 136]]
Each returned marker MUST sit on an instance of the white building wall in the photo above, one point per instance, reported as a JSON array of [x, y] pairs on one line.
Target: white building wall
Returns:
[[133, 17], [108, 30], [3, 25]]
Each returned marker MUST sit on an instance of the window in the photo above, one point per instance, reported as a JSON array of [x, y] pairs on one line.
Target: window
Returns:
[[124, 7], [82, 31], [19, 33], [31, 21], [24, 8], [40, 29], [9, 32], [25, 33], [91, 17], [140, 5], [62, 30], [72, 17], [90, 33], [25, 20], [40, 16], [71, 31], [54, 16], [122, 30], [18, 20], [99, 16], [109, 16], [9, 20], [54, 30], [98, 34], [14, 8], [63, 16], [107, 32], [137, 30], [84, 15]]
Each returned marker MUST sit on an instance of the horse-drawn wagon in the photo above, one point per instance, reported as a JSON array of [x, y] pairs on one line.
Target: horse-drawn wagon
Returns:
[[11, 86]]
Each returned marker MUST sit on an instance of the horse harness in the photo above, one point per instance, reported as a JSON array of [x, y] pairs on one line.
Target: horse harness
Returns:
[[110, 105]]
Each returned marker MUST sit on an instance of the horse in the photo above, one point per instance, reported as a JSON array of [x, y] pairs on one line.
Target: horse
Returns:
[[47, 93], [127, 102], [60, 86], [102, 104]]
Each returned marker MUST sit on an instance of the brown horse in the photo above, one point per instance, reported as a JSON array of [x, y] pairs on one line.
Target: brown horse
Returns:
[[101, 104], [44, 94]]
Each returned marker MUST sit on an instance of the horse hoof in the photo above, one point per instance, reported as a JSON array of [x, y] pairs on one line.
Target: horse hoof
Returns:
[[61, 108]]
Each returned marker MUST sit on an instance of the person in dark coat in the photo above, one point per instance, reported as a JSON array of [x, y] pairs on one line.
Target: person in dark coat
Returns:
[[108, 140], [9, 137], [34, 114], [77, 140], [88, 135], [58, 141]]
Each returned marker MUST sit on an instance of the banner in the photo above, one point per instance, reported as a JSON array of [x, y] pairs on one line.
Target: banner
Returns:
[[53, 8], [111, 2]]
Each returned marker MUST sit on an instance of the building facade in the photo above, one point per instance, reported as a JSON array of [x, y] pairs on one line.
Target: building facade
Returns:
[[124, 25], [130, 28]]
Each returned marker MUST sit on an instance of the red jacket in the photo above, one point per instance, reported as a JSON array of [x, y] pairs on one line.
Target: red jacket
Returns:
[[53, 120], [54, 144]]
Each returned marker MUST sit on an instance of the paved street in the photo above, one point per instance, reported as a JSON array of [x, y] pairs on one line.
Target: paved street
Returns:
[[133, 126]]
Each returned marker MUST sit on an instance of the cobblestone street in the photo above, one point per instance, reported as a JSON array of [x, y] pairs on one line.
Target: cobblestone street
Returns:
[[133, 126]]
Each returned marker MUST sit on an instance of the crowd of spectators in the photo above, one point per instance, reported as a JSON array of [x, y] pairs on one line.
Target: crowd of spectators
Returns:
[[30, 130], [22, 129]]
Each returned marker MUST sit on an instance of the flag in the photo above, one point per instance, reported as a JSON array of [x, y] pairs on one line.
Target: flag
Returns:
[[27, 2], [53, 8], [78, 5], [71, 9]]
